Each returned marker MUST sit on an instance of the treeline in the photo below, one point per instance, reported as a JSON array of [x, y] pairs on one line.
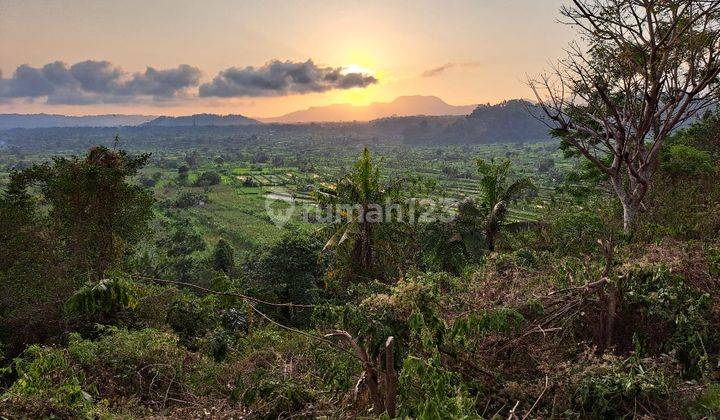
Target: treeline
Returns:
[[508, 122]]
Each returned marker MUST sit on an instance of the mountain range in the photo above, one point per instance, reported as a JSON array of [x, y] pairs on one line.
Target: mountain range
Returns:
[[56, 120], [401, 106], [418, 119]]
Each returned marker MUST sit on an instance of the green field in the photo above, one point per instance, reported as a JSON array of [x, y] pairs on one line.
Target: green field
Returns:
[[253, 177]]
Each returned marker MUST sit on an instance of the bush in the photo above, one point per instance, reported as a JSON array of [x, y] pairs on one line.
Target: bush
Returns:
[[665, 314], [191, 318], [188, 199], [208, 179], [48, 385], [288, 271], [223, 257], [575, 232], [614, 388], [428, 391], [686, 161]]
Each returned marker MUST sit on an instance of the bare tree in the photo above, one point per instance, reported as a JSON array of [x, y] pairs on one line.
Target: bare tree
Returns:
[[640, 69]]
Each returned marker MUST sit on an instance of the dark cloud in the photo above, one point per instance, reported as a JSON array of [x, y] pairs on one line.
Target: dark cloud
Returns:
[[92, 81], [436, 71], [163, 83], [97, 76], [278, 78]]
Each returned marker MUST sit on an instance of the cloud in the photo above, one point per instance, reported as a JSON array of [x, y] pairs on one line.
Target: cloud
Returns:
[[278, 78], [96, 82], [91, 81], [436, 71], [163, 83]]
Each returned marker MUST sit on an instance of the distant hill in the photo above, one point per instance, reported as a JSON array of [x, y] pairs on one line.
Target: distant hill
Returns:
[[8, 121], [402, 106], [202, 120], [509, 121]]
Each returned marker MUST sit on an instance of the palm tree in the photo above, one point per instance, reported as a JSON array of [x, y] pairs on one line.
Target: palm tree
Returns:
[[498, 192], [358, 227]]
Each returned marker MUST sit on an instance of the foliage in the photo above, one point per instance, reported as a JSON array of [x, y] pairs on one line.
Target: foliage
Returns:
[[223, 257], [707, 403], [289, 272], [189, 199], [93, 209], [363, 234], [105, 297], [673, 317], [47, 386], [428, 391], [615, 388], [682, 160], [684, 202], [208, 179], [498, 192], [64, 222], [191, 318]]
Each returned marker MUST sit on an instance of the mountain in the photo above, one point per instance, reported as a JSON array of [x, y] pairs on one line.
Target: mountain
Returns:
[[201, 120], [402, 106], [509, 121], [53, 120]]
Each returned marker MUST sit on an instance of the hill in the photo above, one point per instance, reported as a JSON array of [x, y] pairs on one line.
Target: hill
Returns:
[[8, 121], [509, 121], [202, 120], [402, 106]]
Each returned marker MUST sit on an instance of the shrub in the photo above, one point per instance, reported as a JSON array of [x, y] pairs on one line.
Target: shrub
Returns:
[[208, 179], [614, 388], [223, 257], [191, 318], [665, 314], [188, 199], [707, 403], [48, 385], [686, 161], [428, 391]]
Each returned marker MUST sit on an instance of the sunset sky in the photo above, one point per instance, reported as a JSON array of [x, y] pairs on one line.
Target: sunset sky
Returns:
[[264, 58]]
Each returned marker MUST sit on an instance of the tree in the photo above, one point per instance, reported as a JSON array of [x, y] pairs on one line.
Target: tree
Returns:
[[646, 67], [208, 179], [449, 245], [181, 246], [498, 192], [183, 174], [288, 271], [223, 257], [61, 223], [95, 211], [359, 230]]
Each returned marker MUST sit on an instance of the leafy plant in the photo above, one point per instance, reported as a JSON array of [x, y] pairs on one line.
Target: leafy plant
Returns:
[[105, 297]]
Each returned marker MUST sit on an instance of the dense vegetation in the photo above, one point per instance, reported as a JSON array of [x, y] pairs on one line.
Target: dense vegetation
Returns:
[[162, 273]]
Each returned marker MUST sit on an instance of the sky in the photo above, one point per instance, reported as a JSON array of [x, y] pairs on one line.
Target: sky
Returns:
[[265, 58]]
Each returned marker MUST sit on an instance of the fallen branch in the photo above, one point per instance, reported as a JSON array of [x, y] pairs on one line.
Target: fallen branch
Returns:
[[547, 383]]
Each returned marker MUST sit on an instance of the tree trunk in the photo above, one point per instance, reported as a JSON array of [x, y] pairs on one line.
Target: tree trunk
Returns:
[[629, 214], [490, 236], [629, 203]]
